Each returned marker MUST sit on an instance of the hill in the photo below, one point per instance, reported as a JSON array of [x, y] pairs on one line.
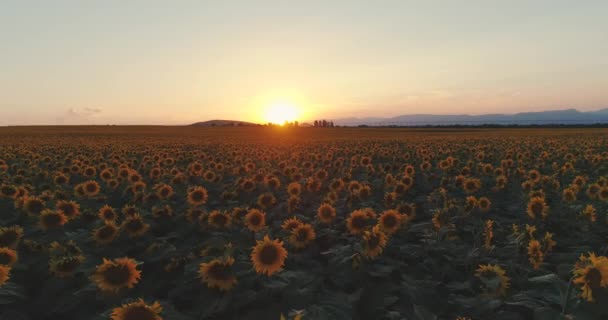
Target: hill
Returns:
[[224, 123], [567, 116]]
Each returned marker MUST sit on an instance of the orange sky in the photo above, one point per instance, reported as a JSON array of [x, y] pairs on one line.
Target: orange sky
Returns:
[[152, 62]]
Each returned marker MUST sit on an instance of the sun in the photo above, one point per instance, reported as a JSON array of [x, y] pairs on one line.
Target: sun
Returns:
[[280, 112]]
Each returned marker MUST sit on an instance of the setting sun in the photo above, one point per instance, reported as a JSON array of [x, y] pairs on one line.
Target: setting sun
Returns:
[[280, 112]]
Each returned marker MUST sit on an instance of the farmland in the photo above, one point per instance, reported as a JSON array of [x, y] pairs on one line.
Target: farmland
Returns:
[[150, 222]]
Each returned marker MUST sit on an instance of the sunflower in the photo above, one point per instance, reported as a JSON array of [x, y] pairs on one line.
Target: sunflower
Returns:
[[494, 279], [536, 207], [336, 185], [113, 275], [8, 191], [268, 256], [33, 205], [162, 212], [8, 256], [535, 254], [488, 233], [91, 188], [471, 185], [591, 273], [484, 204], [197, 196], [302, 235], [70, 209], [272, 182], [255, 220], [534, 175], [65, 266], [107, 213], [164, 191], [290, 224], [129, 210], [106, 233], [603, 193], [593, 191], [266, 200], [374, 242], [357, 222], [138, 310], [219, 219], [10, 236], [135, 226], [5, 274], [408, 210], [218, 273], [247, 185], [390, 221], [138, 186], [52, 219], [589, 213], [193, 215], [292, 203], [569, 195], [238, 214], [326, 213]]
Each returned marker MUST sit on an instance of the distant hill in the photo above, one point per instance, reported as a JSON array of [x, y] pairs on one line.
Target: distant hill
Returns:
[[567, 116], [224, 123]]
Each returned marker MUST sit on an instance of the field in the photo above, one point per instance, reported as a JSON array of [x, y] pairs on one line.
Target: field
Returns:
[[138, 223]]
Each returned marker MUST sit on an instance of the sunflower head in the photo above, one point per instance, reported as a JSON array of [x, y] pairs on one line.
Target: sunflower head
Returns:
[[268, 256], [33, 205], [107, 213], [484, 204], [374, 242], [390, 221], [302, 235], [569, 195], [164, 191], [494, 281], [197, 196], [50, 219], [218, 273], [10, 236], [537, 207], [535, 254], [8, 256], [266, 200], [591, 274], [219, 219], [70, 209], [114, 275], [135, 226], [357, 222], [290, 224], [91, 188], [326, 213], [5, 274], [138, 310], [106, 233], [65, 266], [255, 220]]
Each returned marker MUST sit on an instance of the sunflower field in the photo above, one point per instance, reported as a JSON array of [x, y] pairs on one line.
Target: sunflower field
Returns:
[[151, 223]]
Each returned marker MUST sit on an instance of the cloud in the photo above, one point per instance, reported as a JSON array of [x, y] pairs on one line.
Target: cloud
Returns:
[[79, 116], [86, 112]]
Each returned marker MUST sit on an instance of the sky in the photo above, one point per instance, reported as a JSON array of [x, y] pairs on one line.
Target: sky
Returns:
[[178, 62]]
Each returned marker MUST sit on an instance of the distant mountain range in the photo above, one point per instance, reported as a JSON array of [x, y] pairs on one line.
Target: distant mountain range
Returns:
[[224, 123], [567, 116]]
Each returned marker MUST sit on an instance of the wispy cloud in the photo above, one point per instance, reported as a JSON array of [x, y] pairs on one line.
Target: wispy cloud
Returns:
[[79, 115]]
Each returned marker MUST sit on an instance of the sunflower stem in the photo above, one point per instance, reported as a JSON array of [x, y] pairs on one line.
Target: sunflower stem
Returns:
[[567, 297]]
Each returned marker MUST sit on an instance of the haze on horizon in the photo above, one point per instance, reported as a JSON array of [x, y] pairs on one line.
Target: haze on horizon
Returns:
[[160, 62]]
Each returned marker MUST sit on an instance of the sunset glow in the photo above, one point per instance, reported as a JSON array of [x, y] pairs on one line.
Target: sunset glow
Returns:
[[281, 111]]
